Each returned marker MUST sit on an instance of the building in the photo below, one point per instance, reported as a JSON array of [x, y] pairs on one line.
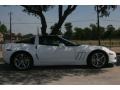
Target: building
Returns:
[[15, 37], [1, 37]]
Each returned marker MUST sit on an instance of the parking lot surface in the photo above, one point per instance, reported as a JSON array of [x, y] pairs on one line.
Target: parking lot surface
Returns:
[[60, 75]]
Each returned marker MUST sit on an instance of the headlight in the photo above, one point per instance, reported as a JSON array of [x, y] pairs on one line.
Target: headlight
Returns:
[[111, 53]]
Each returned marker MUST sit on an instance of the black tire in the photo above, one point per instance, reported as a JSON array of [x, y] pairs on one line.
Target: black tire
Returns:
[[22, 60], [97, 59]]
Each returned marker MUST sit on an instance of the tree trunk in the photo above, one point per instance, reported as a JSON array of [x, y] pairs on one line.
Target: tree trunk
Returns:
[[63, 17], [44, 24], [60, 22], [60, 9], [98, 26]]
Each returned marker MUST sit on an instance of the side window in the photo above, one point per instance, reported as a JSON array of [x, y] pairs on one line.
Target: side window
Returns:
[[32, 40], [52, 41], [27, 41], [42, 40]]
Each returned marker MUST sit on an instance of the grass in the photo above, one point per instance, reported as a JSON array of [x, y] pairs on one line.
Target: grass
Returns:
[[113, 43]]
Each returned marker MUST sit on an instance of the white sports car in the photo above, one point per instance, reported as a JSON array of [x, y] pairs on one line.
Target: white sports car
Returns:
[[55, 50]]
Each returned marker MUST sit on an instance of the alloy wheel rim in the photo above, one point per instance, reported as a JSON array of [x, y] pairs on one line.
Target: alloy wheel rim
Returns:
[[98, 60], [22, 61]]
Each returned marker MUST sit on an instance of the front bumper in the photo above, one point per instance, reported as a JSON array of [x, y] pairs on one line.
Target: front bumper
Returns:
[[112, 57]]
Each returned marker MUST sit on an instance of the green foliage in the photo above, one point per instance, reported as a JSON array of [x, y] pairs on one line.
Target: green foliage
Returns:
[[28, 36], [91, 32], [36, 10], [68, 26], [87, 33], [94, 31], [63, 14], [109, 32], [78, 33], [69, 33], [104, 10], [55, 31], [3, 28]]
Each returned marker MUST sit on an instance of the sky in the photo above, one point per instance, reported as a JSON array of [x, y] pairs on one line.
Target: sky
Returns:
[[82, 17]]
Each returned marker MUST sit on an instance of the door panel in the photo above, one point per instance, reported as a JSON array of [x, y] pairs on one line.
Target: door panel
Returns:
[[55, 55]]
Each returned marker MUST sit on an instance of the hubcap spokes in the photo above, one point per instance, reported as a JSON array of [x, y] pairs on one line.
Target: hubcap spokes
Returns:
[[22, 61], [98, 59]]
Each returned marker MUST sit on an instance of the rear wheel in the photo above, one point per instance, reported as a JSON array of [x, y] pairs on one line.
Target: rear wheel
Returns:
[[97, 59], [22, 61]]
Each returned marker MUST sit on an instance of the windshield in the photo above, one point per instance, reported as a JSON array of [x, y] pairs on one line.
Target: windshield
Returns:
[[68, 42]]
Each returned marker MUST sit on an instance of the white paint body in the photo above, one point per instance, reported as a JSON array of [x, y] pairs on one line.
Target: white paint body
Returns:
[[55, 55]]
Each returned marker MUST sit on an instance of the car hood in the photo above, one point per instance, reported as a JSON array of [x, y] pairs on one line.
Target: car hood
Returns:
[[89, 48]]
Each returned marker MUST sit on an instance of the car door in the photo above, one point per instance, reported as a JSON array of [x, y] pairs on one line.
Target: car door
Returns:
[[51, 51]]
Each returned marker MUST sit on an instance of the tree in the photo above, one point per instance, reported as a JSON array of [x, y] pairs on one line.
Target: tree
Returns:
[[63, 15], [88, 33], [110, 30], [116, 34], [54, 31], [101, 32], [78, 34], [102, 10], [69, 33], [3, 29], [19, 36], [95, 33], [27, 36], [37, 10]]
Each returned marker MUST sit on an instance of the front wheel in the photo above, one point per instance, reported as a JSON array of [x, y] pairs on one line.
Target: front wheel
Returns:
[[97, 59], [22, 61]]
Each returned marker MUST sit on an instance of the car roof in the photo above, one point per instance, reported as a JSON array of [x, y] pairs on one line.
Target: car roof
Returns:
[[50, 36]]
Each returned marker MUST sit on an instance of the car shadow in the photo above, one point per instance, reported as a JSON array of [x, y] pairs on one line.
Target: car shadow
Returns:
[[43, 74]]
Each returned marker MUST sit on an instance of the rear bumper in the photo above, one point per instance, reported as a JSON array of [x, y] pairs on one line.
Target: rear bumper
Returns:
[[6, 56]]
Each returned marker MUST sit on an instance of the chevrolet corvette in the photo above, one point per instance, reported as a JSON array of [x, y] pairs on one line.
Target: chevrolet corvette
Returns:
[[55, 50]]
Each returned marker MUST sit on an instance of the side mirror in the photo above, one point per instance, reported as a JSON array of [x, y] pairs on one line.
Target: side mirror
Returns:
[[61, 45]]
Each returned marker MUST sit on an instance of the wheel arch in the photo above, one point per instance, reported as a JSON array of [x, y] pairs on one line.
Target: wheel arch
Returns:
[[20, 51], [96, 51]]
